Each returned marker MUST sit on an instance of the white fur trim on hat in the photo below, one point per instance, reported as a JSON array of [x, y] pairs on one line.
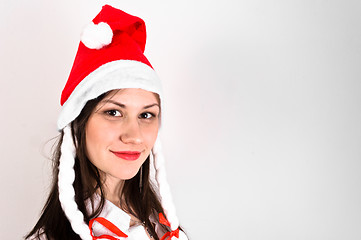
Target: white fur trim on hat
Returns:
[[96, 36], [113, 75]]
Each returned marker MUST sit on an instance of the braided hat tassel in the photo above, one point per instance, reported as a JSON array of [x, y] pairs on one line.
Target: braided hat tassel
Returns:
[[66, 179]]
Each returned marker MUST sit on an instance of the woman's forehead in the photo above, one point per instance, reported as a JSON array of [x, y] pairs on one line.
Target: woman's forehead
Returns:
[[132, 96]]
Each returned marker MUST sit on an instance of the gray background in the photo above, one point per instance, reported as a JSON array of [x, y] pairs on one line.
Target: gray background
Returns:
[[262, 127]]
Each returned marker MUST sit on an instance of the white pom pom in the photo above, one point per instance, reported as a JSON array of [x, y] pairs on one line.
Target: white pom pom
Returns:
[[96, 36]]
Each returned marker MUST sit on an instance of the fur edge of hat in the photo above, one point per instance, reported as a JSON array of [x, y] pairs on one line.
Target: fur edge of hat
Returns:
[[113, 75]]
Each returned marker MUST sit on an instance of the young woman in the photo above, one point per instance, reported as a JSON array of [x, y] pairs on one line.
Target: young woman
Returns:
[[109, 126]]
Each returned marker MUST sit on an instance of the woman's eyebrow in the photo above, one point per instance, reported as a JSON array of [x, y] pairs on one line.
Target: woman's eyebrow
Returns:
[[151, 105], [114, 102], [124, 106]]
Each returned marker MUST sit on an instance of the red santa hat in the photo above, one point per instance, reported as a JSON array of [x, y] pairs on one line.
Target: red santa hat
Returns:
[[110, 56]]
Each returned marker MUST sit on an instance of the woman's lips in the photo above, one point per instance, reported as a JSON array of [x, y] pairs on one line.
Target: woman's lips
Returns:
[[127, 155]]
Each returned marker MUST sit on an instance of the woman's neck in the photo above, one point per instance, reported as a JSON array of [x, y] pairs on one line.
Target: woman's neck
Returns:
[[113, 189]]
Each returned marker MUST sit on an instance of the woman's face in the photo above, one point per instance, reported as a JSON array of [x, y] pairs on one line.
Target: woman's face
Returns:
[[121, 132]]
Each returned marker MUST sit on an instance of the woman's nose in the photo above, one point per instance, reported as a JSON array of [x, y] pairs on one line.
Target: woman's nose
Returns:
[[131, 132]]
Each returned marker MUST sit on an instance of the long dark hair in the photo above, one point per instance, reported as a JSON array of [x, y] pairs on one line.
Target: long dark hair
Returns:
[[138, 195]]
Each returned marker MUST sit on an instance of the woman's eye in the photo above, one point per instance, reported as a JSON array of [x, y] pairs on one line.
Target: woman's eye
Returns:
[[113, 113], [147, 115]]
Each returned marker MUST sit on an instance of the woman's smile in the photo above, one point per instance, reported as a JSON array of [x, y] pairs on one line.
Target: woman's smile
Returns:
[[127, 155]]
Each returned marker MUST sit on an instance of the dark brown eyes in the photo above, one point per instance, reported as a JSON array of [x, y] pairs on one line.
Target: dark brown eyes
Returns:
[[113, 113], [116, 113], [147, 115]]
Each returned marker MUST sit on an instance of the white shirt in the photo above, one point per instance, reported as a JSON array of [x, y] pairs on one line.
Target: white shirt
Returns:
[[121, 220], [117, 217]]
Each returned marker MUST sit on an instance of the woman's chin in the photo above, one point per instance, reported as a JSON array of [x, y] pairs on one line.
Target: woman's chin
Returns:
[[126, 175]]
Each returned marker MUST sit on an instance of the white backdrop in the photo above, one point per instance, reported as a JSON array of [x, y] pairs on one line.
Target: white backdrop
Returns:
[[262, 129]]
